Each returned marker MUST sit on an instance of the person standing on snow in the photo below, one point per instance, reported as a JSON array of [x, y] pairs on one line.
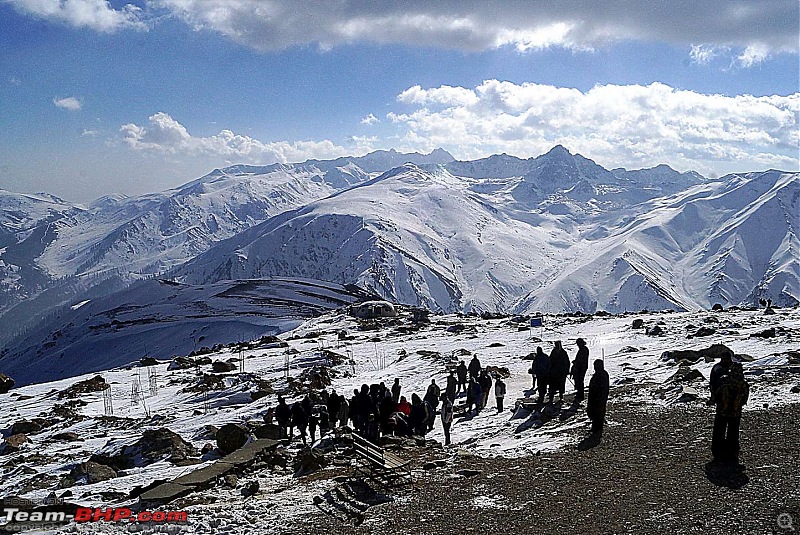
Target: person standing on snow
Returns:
[[579, 367], [559, 370], [499, 393], [447, 418], [598, 397]]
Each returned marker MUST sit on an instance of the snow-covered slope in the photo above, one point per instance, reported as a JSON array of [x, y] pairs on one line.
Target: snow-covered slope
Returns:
[[55, 251], [160, 319], [424, 236], [634, 361]]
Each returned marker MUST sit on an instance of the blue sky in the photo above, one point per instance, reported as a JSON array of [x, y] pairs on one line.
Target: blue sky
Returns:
[[99, 98]]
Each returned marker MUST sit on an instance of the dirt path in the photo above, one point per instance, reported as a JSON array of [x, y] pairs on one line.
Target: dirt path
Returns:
[[648, 475]]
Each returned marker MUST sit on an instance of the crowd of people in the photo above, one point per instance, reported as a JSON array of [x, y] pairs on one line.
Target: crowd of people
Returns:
[[375, 410]]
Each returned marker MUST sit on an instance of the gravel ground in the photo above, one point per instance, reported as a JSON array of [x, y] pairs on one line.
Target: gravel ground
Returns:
[[649, 474]]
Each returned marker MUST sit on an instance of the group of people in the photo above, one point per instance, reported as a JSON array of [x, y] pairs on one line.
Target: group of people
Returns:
[[549, 375], [377, 409]]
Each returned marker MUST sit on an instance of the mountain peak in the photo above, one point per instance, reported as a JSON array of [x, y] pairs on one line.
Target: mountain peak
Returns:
[[558, 150]]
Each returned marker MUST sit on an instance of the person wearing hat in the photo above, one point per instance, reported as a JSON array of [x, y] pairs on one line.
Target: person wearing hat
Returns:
[[579, 367]]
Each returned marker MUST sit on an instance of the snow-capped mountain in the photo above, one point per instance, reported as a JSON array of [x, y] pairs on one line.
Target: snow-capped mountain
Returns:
[[551, 234], [55, 252], [427, 237]]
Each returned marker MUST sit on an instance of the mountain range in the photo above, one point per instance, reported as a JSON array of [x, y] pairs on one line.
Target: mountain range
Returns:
[[555, 233]]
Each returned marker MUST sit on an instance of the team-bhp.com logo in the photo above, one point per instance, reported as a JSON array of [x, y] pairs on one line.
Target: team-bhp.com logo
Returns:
[[90, 514]]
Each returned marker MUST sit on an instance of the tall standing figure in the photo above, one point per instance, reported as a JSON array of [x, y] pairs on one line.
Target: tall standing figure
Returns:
[[731, 396], [598, 397], [579, 367], [559, 370]]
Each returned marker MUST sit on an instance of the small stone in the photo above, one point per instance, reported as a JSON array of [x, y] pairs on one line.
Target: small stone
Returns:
[[796, 389], [250, 489], [468, 472]]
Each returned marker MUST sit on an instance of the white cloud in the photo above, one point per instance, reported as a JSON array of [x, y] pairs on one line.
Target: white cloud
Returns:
[[631, 125], [165, 135], [89, 133], [68, 103], [95, 14], [370, 119], [753, 55], [14, 81], [479, 25], [703, 54]]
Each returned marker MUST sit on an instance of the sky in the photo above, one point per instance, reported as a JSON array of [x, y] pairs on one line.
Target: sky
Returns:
[[101, 97]]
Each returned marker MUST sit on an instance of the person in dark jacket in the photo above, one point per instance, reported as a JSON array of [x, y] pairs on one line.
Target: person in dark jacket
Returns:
[[433, 394], [299, 420], [396, 391], [559, 370], [485, 381], [474, 367], [718, 373], [417, 418], [579, 367], [333, 404], [541, 370], [598, 397], [447, 418], [731, 395], [283, 414], [474, 395], [461, 373], [499, 393], [450, 389]]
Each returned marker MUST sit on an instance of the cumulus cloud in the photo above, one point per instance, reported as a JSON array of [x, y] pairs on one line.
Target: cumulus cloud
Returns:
[[479, 25], [370, 119], [630, 125], [95, 14], [753, 55], [68, 103], [163, 134]]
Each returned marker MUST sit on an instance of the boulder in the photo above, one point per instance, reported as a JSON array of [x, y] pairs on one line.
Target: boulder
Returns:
[[91, 472], [67, 436], [272, 431], [704, 331], [766, 333], [308, 460], [638, 323], [796, 389], [250, 488], [231, 437], [95, 384], [220, 366], [147, 361], [181, 363], [27, 427], [6, 383], [14, 443], [711, 353], [686, 375], [655, 330], [154, 445], [717, 307]]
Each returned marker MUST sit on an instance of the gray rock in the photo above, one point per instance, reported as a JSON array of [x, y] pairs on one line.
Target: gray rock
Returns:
[[155, 445], [309, 460], [231, 437], [6, 383], [250, 488], [91, 472], [14, 443], [796, 389], [25, 426], [67, 436], [221, 366], [638, 323], [655, 330], [230, 480], [468, 472]]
